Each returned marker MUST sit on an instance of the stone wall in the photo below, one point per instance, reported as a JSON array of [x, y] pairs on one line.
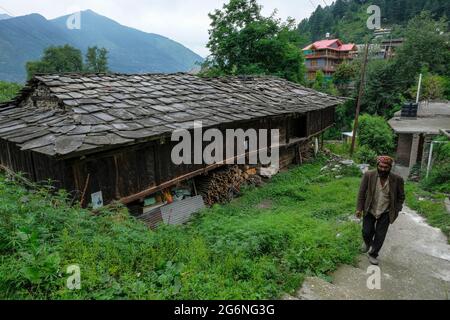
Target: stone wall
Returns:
[[40, 97]]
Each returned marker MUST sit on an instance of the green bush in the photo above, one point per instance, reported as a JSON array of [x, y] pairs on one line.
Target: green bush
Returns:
[[430, 205], [8, 90], [442, 150], [374, 132], [439, 176], [366, 155], [234, 251], [438, 179]]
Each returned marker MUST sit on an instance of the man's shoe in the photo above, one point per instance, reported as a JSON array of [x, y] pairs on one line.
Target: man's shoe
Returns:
[[364, 247], [373, 260]]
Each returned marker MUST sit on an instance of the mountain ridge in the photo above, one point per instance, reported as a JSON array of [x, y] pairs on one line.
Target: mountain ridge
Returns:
[[130, 50]]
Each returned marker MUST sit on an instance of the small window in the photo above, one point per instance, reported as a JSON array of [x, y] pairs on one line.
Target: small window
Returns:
[[298, 128]]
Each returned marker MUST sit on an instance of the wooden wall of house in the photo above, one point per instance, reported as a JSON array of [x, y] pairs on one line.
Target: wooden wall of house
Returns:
[[319, 119], [35, 167], [127, 171], [16, 160]]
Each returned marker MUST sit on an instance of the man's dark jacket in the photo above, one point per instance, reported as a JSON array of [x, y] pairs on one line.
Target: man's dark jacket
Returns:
[[367, 192]]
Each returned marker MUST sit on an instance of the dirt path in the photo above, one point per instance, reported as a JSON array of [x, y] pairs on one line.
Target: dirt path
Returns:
[[414, 264]]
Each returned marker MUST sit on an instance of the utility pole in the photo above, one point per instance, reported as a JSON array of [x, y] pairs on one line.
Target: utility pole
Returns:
[[358, 104]]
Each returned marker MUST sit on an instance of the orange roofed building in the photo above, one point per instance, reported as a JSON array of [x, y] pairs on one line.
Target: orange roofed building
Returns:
[[326, 55]]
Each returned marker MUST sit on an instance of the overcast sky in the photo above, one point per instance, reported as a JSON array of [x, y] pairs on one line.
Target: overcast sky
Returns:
[[184, 21]]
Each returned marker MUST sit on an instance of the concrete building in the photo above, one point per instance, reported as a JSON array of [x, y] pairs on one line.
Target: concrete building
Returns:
[[416, 131], [390, 47], [326, 55]]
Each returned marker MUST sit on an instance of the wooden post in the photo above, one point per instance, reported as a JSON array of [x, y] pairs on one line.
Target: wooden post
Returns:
[[358, 104], [83, 195], [321, 141]]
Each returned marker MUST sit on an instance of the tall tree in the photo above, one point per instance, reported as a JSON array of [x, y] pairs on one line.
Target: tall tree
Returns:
[[433, 88], [382, 91], [427, 46], [345, 74], [339, 8], [96, 60], [242, 41], [57, 60], [347, 18]]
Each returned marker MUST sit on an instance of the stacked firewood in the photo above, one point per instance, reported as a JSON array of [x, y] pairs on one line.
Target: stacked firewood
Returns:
[[223, 185], [306, 152]]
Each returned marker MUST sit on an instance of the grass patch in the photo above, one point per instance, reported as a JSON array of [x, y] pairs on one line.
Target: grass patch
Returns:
[[342, 148], [431, 206], [8, 90], [235, 251]]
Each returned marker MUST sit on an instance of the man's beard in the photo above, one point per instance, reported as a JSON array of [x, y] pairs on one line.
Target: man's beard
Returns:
[[383, 174]]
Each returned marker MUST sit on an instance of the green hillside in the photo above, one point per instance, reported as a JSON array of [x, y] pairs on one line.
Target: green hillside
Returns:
[[130, 51], [346, 19]]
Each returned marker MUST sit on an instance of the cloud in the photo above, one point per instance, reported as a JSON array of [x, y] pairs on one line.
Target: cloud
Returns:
[[185, 21]]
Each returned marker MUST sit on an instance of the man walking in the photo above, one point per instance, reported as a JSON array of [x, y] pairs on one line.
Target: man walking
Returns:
[[380, 199]]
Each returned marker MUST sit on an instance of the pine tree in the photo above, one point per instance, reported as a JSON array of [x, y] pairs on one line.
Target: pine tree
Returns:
[[96, 60]]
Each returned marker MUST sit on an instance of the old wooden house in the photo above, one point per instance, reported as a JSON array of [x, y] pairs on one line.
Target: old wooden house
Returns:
[[110, 133]]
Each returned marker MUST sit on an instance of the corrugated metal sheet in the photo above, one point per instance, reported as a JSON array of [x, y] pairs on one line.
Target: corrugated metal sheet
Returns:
[[152, 218], [180, 212], [175, 213]]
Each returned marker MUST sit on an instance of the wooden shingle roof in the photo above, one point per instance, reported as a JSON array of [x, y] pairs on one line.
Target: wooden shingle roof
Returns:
[[94, 111]]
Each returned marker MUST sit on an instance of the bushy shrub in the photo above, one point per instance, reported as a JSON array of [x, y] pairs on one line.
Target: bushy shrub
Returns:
[[8, 90], [375, 133], [439, 177], [350, 171], [366, 155], [442, 150], [234, 251]]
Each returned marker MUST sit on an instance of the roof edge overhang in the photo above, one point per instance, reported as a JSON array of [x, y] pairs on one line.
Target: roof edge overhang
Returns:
[[33, 82], [168, 134]]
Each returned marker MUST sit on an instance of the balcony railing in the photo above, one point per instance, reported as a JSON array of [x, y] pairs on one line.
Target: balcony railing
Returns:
[[331, 55], [323, 68]]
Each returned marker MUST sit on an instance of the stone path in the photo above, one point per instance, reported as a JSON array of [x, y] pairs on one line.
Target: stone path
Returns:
[[414, 264]]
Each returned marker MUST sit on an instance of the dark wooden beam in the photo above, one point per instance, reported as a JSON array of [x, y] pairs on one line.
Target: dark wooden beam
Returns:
[[170, 183]]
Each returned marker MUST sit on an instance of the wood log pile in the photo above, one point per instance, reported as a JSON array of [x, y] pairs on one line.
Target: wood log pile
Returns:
[[306, 152], [224, 184]]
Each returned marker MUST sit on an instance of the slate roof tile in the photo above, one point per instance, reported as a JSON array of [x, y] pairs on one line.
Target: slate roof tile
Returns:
[[97, 110], [104, 116]]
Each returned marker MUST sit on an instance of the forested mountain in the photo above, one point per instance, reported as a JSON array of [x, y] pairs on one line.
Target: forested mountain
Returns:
[[131, 51], [346, 19]]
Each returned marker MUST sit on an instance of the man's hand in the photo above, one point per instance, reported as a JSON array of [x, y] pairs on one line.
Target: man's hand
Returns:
[[359, 214]]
